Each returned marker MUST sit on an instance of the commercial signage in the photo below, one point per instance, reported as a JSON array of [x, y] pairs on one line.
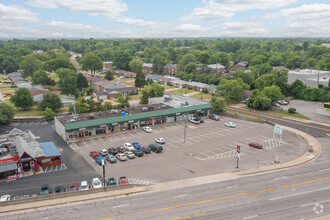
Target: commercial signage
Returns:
[[81, 129], [16, 176], [114, 123], [102, 126], [178, 113], [278, 129], [131, 121], [9, 160], [25, 159]]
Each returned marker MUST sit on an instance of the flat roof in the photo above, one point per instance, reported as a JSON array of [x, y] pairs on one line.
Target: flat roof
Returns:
[[135, 117]]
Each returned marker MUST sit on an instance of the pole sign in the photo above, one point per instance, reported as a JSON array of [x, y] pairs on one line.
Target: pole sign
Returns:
[[278, 129]]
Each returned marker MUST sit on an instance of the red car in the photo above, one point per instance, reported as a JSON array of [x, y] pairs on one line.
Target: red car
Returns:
[[256, 145], [94, 154], [73, 187], [287, 101], [123, 180]]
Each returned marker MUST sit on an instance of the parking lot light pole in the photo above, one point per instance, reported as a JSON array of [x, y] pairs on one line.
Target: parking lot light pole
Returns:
[[103, 165], [185, 128]]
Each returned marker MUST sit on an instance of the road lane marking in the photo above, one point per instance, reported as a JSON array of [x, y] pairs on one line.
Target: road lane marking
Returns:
[[188, 216], [251, 113], [278, 178], [253, 216], [183, 195], [119, 206], [218, 199], [314, 203], [299, 193]]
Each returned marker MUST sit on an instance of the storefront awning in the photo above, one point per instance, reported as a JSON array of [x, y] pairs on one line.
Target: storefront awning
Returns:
[[8, 167]]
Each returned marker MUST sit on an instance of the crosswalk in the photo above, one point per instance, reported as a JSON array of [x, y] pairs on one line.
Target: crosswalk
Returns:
[[142, 182]]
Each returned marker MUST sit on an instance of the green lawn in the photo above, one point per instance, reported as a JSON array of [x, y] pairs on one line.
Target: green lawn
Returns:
[[202, 96], [182, 91], [168, 87], [282, 113], [33, 111], [54, 77]]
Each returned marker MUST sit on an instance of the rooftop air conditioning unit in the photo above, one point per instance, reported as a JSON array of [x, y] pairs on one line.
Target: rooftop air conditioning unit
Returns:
[[72, 120]]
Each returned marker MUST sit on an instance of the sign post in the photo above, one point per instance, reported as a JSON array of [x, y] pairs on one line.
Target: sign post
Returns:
[[103, 165], [278, 130]]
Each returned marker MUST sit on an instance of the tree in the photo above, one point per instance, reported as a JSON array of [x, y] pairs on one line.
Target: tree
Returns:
[[30, 64], [297, 88], [22, 98], [109, 75], [150, 91], [258, 59], [140, 80], [89, 90], [275, 60], [91, 61], [273, 92], [158, 63], [100, 45], [190, 67], [60, 62], [49, 114], [204, 57], [68, 84], [48, 82], [7, 113], [258, 101], [39, 76], [122, 100], [50, 100], [81, 81], [136, 65], [188, 58], [232, 89], [218, 104], [248, 77], [221, 58], [121, 59]]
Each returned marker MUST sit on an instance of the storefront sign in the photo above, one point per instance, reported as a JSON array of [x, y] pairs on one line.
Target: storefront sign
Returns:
[[25, 159], [131, 121], [199, 110], [114, 123], [16, 176], [178, 113], [9, 160], [81, 129], [102, 126]]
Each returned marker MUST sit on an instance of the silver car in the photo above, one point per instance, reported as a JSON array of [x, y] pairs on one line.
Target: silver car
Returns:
[[121, 157], [230, 124], [129, 155]]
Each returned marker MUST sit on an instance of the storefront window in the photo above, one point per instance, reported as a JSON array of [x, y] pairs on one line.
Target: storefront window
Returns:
[[100, 130], [146, 122], [170, 119], [160, 120]]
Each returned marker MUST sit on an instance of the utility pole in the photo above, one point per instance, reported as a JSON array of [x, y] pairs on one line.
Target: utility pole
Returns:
[[103, 165], [238, 155], [185, 128], [318, 77]]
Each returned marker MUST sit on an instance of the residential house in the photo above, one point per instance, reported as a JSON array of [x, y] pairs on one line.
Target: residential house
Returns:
[[36, 90], [93, 79], [164, 81], [242, 65], [124, 73], [170, 69], [67, 101], [107, 65], [38, 98], [100, 96], [125, 91], [211, 69], [153, 77], [147, 68]]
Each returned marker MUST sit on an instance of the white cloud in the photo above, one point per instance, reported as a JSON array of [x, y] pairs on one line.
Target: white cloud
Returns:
[[109, 8], [241, 29], [224, 9], [15, 15]]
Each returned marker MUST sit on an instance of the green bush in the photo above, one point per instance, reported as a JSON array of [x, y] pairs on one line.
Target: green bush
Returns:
[[292, 110]]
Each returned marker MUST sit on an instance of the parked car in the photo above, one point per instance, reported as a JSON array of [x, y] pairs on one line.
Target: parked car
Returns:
[[121, 149], [138, 152], [4, 198], [244, 101], [73, 187], [45, 190], [282, 102], [128, 146], [94, 154], [98, 160], [59, 189], [193, 120], [256, 145], [111, 158], [121, 157], [96, 183], [155, 148], [136, 145], [113, 151], [84, 185], [112, 181], [129, 155], [145, 150], [287, 101], [275, 104], [123, 180], [147, 129], [230, 124], [103, 152], [160, 140], [199, 119], [214, 117]]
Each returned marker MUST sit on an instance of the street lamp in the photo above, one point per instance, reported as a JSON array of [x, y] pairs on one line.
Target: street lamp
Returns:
[[103, 165], [185, 128]]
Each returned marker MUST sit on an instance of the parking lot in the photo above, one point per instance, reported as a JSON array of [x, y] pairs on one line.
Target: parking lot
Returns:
[[209, 148]]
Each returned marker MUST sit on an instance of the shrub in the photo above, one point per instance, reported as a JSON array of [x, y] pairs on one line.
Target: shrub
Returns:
[[292, 110]]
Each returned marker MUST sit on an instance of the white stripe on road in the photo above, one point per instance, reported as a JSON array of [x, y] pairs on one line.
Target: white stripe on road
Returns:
[[119, 206], [314, 203], [253, 216], [183, 195], [299, 193]]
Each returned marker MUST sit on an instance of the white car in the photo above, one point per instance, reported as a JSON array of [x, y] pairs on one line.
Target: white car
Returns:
[[4, 198], [230, 124], [96, 183], [194, 121], [103, 152], [128, 146], [121, 157], [129, 155], [84, 185], [160, 140], [147, 129]]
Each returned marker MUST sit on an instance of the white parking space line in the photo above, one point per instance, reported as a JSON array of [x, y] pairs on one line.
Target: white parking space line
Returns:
[[138, 133], [37, 123], [95, 163], [166, 147], [86, 144], [24, 124], [31, 124], [101, 140], [172, 144], [93, 141]]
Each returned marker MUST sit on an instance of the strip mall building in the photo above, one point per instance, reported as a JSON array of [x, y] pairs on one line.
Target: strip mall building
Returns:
[[162, 110]]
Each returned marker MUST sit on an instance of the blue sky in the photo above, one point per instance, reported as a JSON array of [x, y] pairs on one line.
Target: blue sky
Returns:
[[163, 18]]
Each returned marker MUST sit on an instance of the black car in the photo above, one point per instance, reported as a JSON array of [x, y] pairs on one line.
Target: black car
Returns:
[[113, 151], [199, 119], [155, 148], [214, 117], [45, 190], [112, 181], [121, 149], [138, 152], [145, 150], [59, 189]]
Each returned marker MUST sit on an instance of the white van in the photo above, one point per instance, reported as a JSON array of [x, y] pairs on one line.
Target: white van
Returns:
[[84, 185]]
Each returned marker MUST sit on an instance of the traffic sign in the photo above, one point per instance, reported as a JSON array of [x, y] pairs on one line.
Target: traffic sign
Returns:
[[238, 155], [278, 129]]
